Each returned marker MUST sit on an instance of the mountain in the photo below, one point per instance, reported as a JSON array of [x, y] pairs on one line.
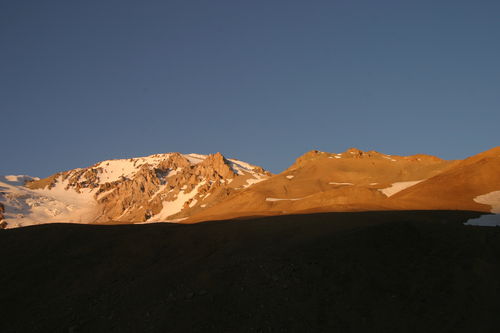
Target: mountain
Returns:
[[359, 181], [192, 188], [318, 181], [161, 187]]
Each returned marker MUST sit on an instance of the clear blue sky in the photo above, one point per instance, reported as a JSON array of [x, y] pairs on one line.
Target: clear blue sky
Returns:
[[262, 81]]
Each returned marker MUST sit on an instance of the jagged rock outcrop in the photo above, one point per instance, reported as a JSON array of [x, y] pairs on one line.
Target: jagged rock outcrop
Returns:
[[214, 165], [156, 188], [3, 224]]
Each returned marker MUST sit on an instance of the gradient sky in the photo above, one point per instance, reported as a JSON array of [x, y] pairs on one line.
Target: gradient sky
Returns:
[[262, 81]]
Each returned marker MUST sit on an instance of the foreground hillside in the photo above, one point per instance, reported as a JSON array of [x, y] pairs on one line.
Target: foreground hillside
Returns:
[[342, 272]]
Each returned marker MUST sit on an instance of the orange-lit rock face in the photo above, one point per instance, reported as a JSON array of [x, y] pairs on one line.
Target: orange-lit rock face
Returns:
[[356, 180], [154, 188], [192, 188]]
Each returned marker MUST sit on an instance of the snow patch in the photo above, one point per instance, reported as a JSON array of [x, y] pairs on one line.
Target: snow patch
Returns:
[[487, 220], [25, 207], [17, 179], [398, 187], [113, 170], [195, 158], [492, 199], [240, 167], [252, 181], [178, 220], [169, 221], [173, 172], [176, 205], [289, 176], [334, 183]]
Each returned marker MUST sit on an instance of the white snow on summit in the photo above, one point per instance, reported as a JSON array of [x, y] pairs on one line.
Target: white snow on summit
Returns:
[[78, 195], [112, 170], [195, 158], [240, 167], [17, 179]]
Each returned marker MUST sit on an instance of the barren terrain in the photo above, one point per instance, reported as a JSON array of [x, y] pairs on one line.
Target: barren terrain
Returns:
[[401, 271]]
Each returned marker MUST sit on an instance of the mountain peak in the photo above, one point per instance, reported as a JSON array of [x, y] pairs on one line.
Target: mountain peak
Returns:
[[354, 150], [158, 187], [219, 164]]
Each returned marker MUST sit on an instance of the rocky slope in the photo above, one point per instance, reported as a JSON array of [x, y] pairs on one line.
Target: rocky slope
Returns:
[[471, 184], [193, 188], [321, 181], [359, 181], [2, 223], [162, 187]]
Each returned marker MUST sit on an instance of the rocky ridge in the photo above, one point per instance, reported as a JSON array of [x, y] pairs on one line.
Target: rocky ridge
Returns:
[[2, 210], [161, 187], [192, 188], [356, 180]]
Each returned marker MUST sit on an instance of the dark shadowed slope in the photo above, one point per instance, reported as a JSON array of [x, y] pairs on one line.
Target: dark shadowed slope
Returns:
[[344, 272]]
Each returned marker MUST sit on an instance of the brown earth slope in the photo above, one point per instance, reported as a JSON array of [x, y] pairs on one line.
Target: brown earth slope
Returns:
[[319, 181], [457, 187]]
